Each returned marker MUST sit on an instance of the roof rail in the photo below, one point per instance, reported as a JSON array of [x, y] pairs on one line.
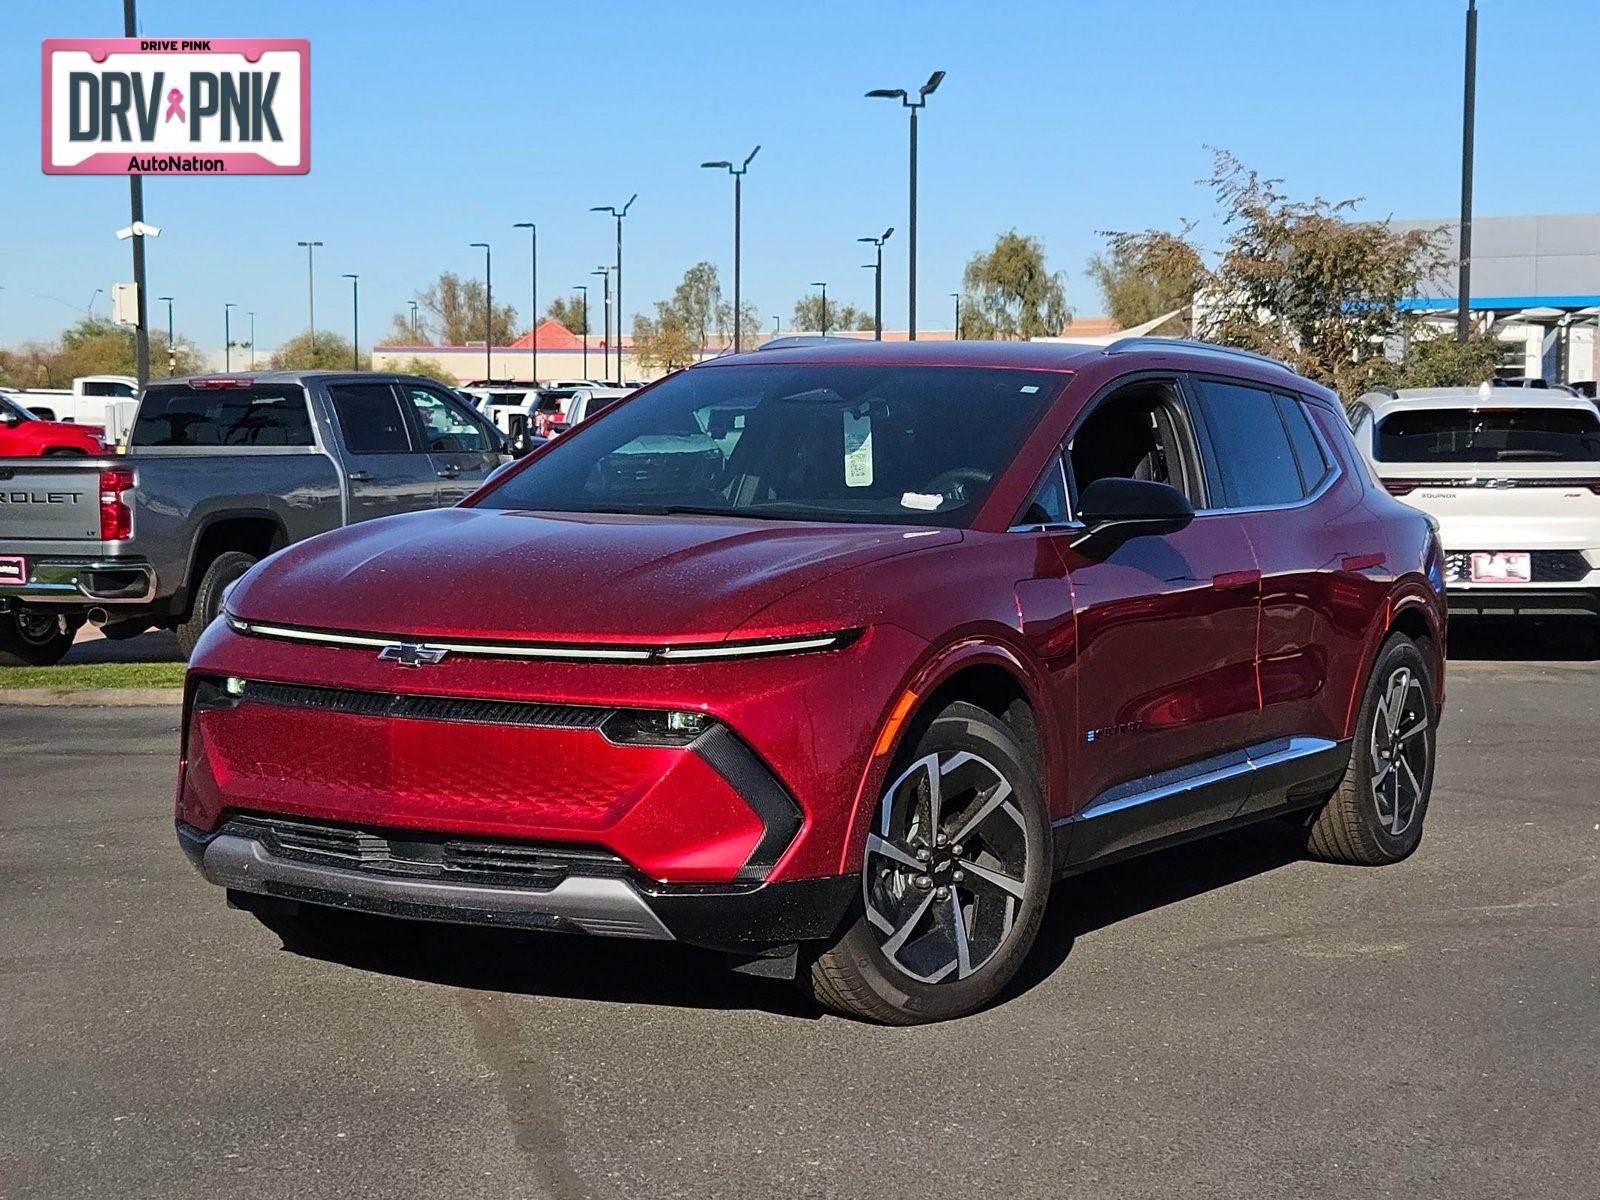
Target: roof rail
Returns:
[[1129, 344], [812, 339]]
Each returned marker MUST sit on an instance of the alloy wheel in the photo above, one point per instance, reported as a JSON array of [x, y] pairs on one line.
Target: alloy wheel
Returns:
[[1400, 750], [946, 866]]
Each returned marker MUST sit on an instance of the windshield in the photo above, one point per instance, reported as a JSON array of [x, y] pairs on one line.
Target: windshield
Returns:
[[1455, 435], [895, 444]]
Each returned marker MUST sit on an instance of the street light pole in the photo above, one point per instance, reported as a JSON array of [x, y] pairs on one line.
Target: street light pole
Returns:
[[605, 321], [252, 317], [877, 283], [355, 321], [618, 214], [533, 269], [227, 336], [957, 296], [824, 287], [738, 204], [141, 331], [488, 313], [777, 324], [584, 288], [416, 330], [1468, 119], [921, 101], [311, 292], [172, 346]]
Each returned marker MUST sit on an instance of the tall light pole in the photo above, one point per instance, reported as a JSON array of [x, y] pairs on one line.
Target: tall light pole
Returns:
[[252, 317], [605, 321], [877, 283], [311, 291], [488, 312], [738, 204], [93, 296], [141, 331], [416, 330], [824, 287], [900, 94], [618, 214], [172, 346], [584, 288], [1469, 105], [533, 275], [355, 320], [227, 336], [777, 324], [957, 297]]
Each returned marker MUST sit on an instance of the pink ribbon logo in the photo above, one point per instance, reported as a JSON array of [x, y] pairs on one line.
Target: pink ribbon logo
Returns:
[[175, 106]]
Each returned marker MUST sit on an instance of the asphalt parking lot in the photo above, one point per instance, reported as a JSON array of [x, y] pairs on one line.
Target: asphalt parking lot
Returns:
[[1222, 1020]]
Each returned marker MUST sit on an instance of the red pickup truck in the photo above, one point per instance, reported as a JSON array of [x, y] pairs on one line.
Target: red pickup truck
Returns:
[[23, 435]]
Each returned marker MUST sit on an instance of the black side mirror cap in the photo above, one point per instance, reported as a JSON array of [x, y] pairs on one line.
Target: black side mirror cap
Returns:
[[1126, 508]]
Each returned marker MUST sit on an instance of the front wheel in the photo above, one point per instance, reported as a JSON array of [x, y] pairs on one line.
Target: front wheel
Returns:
[[953, 882], [29, 638], [1375, 815]]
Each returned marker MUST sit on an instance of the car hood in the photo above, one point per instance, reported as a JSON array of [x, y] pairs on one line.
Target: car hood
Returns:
[[500, 574]]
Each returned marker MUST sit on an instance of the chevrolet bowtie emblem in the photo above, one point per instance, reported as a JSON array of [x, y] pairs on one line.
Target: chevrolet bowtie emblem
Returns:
[[410, 654]]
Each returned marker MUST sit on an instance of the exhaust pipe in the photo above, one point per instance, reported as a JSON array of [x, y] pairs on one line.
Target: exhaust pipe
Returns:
[[98, 617]]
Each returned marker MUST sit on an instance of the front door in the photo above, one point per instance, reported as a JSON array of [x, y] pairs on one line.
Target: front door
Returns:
[[1166, 639], [459, 448], [385, 470]]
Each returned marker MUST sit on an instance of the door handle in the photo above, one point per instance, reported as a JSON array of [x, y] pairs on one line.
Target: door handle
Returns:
[[1229, 580], [359, 477]]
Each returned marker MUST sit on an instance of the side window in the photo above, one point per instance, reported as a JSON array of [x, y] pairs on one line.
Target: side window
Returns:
[[371, 417], [446, 428], [1308, 453], [1253, 452], [1049, 503], [1140, 431]]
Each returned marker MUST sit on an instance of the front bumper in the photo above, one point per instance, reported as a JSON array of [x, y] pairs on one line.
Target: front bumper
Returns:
[[506, 884], [83, 581]]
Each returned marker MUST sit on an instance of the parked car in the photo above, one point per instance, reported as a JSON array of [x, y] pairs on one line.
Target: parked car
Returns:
[[222, 471], [570, 383], [1512, 475], [23, 434], [547, 408], [584, 403], [101, 400], [834, 658]]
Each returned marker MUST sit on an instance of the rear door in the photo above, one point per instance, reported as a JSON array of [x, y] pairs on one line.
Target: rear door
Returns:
[[460, 449], [387, 469]]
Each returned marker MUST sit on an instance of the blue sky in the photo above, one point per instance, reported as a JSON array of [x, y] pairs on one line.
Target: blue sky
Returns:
[[439, 124]]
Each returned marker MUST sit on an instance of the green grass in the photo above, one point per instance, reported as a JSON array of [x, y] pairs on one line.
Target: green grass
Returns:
[[90, 676]]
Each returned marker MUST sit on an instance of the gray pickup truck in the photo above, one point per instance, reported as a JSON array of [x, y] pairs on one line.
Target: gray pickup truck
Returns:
[[220, 471]]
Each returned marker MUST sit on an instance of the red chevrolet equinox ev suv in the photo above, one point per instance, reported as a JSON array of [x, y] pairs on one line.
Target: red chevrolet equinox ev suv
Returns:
[[832, 656]]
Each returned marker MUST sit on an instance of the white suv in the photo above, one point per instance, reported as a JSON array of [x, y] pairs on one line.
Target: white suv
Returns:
[[1511, 474]]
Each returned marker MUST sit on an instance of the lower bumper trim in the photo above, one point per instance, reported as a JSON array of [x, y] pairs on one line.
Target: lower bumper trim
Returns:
[[600, 907], [1516, 600]]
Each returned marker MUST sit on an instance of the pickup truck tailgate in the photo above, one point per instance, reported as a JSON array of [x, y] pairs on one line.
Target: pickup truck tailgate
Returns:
[[43, 501]]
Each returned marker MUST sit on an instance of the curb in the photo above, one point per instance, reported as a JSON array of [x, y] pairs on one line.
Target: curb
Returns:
[[91, 697]]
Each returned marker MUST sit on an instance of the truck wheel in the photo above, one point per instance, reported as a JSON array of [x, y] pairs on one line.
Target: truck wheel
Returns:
[[225, 568], [29, 638], [64, 452]]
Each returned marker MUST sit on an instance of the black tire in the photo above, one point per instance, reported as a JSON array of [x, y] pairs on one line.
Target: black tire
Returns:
[[224, 569], [33, 638], [862, 973], [64, 452], [1375, 815]]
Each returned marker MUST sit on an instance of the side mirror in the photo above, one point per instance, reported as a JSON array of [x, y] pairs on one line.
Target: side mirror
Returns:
[[10, 420], [1119, 509]]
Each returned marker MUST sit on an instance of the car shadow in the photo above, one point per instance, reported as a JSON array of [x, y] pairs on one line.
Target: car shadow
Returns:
[[1525, 639], [625, 971]]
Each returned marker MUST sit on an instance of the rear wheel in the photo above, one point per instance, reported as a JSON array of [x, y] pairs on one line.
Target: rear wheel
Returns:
[[64, 452], [953, 882], [1375, 815], [225, 568], [30, 638]]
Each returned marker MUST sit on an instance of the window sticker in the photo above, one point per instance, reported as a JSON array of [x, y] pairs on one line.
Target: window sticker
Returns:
[[857, 450]]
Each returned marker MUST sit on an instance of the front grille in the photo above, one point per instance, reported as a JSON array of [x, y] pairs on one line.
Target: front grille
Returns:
[[1547, 566], [427, 708], [427, 855]]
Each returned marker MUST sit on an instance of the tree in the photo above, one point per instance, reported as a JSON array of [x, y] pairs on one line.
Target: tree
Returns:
[[808, 315], [1301, 281], [665, 342], [403, 333], [94, 346], [568, 311], [749, 325], [427, 368], [332, 353], [1142, 277], [451, 313], [1010, 294], [698, 299]]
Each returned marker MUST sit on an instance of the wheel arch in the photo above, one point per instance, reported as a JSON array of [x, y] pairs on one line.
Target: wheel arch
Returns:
[[254, 531], [1415, 610]]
